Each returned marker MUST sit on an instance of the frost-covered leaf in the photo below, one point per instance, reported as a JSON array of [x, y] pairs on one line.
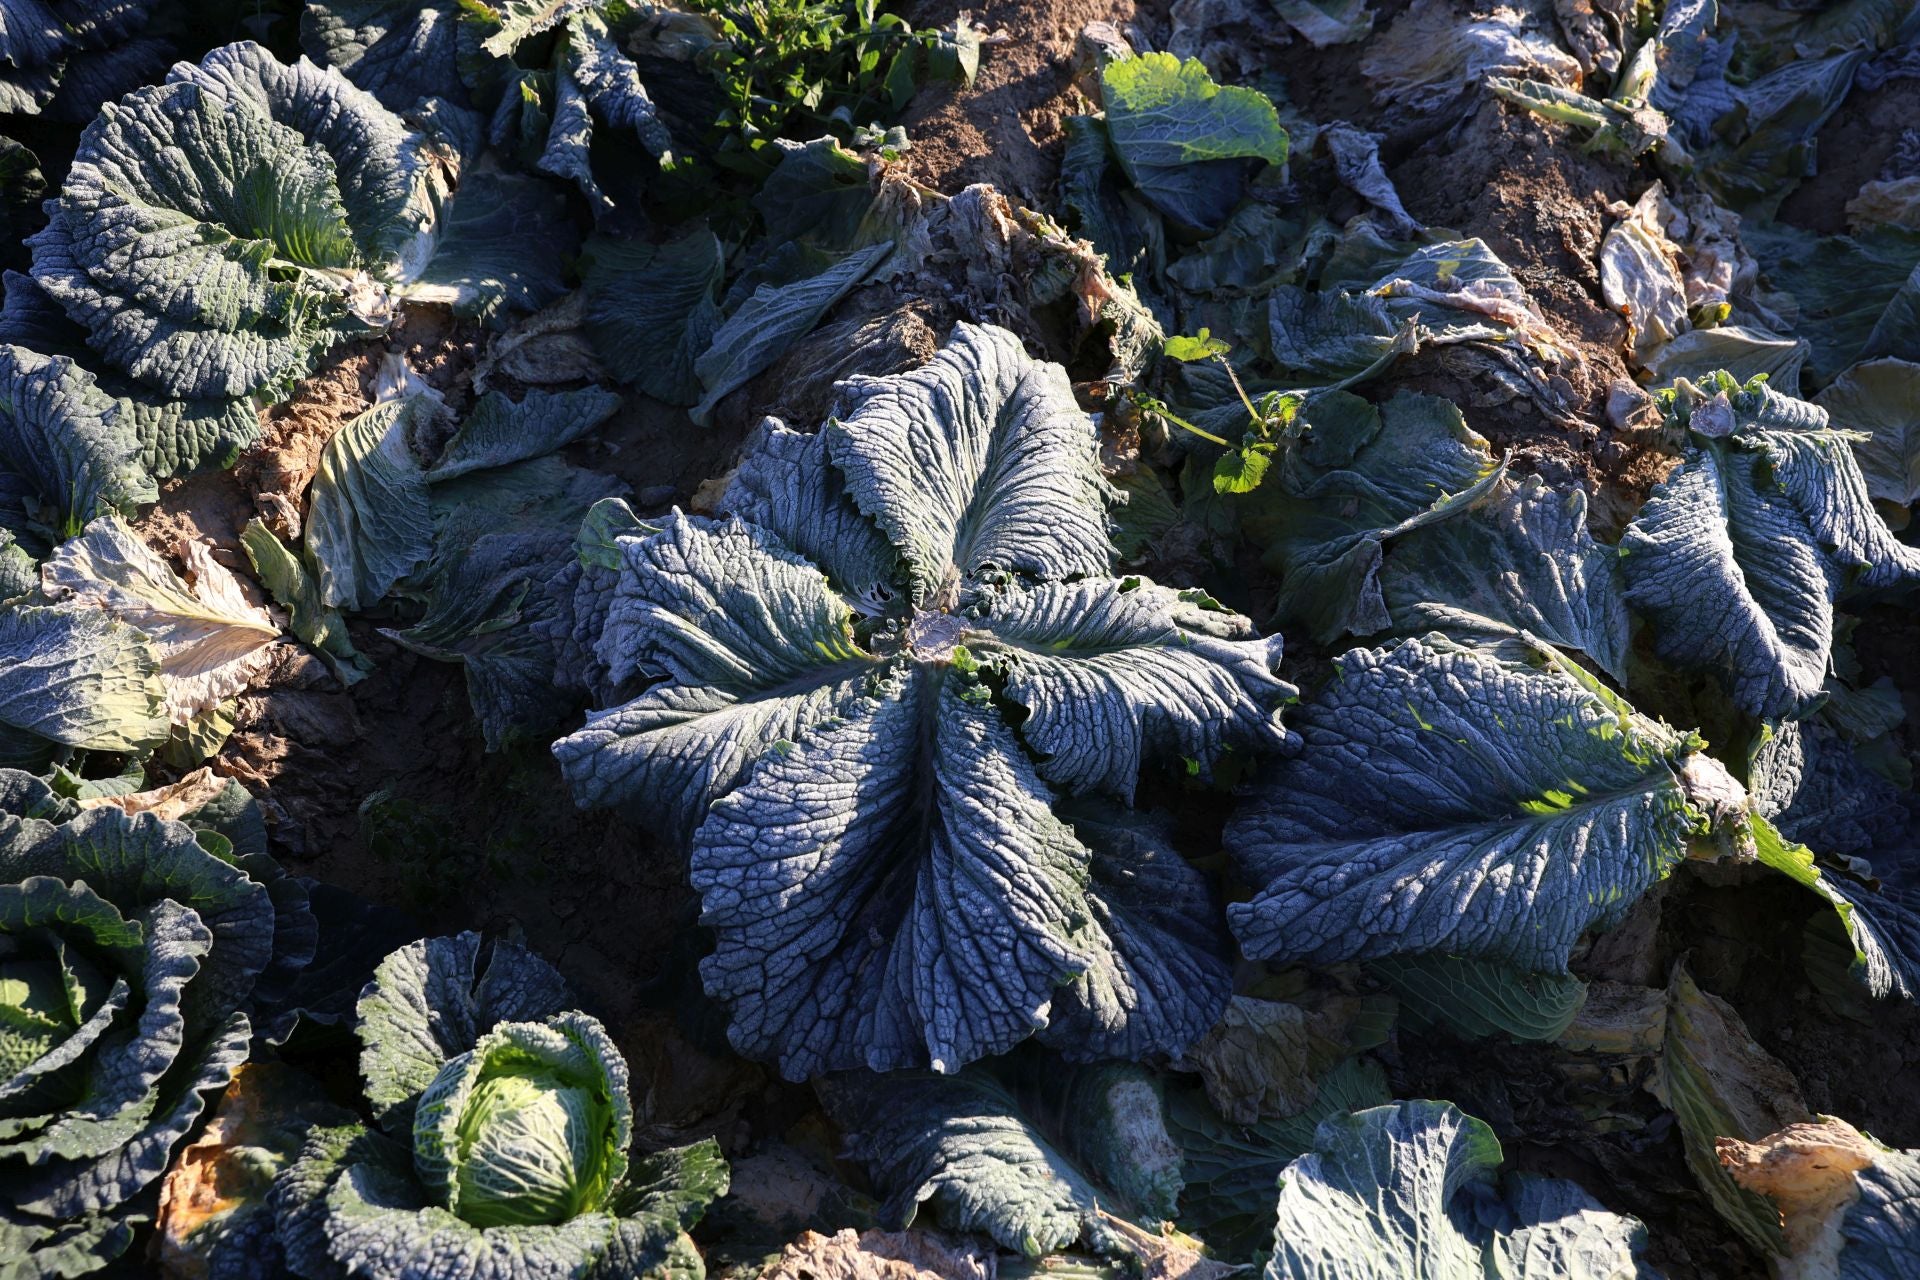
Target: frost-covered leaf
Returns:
[[1113, 673], [78, 678], [1361, 477], [210, 639], [1761, 145], [1878, 1227], [756, 651], [1161, 973], [398, 50], [1479, 998], [1413, 1189], [1188, 145], [218, 231], [1806, 780], [132, 955], [1028, 1162], [498, 431], [1432, 54], [1738, 556], [432, 1000], [651, 310], [1490, 804], [1522, 561], [819, 191], [1741, 350], [63, 58], [980, 460], [787, 484], [502, 247], [903, 949], [67, 454], [496, 588], [1881, 400], [174, 436], [761, 330]]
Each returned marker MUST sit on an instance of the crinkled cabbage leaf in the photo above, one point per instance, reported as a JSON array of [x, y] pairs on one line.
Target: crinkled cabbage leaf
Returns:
[[1484, 803], [940, 552]]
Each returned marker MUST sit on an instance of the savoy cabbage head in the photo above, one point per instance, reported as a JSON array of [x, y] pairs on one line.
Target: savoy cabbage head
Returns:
[[503, 1146], [874, 684], [220, 230], [132, 950]]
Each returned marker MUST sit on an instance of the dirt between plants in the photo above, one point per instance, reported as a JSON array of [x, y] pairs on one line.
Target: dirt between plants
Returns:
[[384, 788]]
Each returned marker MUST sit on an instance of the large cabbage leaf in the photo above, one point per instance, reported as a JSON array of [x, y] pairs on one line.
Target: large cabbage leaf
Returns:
[[1481, 803], [1880, 399], [173, 436], [63, 58], [1361, 478], [398, 50], [651, 310], [1187, 144], [1738, 556], [929, 906], [1413, 1189], [1030, 1156], [1520, 562], [432, 1000], [1852, 297], [497, 592], [211, 640], [76, 678]]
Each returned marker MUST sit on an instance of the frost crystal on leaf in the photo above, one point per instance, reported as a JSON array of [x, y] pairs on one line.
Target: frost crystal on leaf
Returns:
[[876, 843]]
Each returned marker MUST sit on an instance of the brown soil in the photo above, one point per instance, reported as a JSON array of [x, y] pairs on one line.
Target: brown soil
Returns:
[[1005, 130], [1524, 186]]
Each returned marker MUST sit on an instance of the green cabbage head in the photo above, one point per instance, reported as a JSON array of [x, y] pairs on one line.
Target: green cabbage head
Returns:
[[500, 1147], [529, 1127]]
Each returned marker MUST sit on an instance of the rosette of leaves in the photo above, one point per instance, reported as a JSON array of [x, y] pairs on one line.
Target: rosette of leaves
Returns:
[[503, 1146], [132, 946], [218, 231], [63, 58], [1739, 556], [1485, 802], [874, 685]]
